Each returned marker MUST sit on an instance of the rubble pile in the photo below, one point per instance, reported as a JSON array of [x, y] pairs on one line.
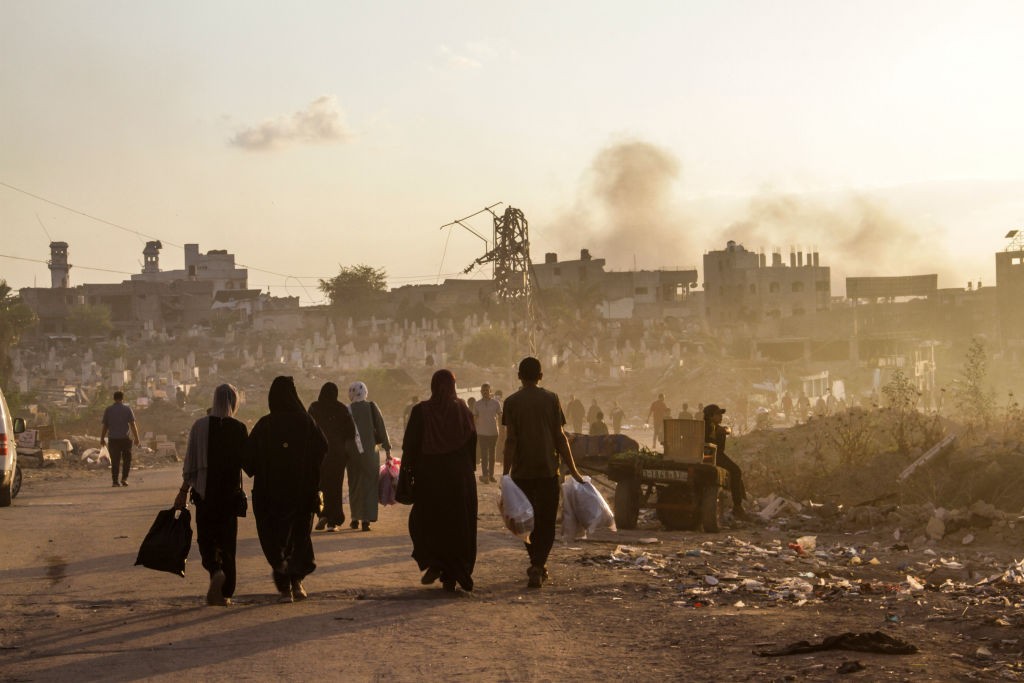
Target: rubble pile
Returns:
[[920, 586]]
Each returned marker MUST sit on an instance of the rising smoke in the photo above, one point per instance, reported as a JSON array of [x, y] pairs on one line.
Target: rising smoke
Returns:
[[628, 210], [320, 122]]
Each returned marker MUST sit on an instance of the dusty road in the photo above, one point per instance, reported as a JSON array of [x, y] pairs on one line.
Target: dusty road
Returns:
[[74, 608]]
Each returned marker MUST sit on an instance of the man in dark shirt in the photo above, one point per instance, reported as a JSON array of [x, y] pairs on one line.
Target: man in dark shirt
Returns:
[[715, 433], [118, 421], [534, 440]]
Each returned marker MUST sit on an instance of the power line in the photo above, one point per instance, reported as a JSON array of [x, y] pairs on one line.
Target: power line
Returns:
[[35, 260]]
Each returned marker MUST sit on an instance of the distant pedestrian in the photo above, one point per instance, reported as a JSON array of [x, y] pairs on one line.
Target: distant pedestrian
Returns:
[[440, 446], [487, 415], [617, 416], [787, 405], [283, 456], [598, 427], [685, 413], [334, 420], [715, 433], [535, 439], [657, 414], [575, 411], [213, 472], [119, 422], [592, 412], [364, 466]]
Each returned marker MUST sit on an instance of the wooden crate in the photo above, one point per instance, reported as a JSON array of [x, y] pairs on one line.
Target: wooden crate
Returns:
[[684, 440]]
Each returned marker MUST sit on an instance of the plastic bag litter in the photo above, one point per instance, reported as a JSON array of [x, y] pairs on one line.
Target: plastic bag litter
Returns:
[[584, 508], [515, 508], [166, 546], [388, 481]]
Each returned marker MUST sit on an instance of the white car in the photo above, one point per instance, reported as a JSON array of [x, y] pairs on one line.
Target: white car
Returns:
[[10, 471]]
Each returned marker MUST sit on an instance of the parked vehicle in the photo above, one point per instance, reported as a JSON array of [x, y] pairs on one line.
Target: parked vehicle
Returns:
[[10, 471]]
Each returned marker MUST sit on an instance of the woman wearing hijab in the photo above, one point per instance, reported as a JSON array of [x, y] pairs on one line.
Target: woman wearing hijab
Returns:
[[440, 447], [364, 461], [334, 420], [213, 472], [283, 456]]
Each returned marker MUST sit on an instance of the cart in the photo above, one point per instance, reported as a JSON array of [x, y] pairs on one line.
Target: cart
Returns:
[[684, 486]]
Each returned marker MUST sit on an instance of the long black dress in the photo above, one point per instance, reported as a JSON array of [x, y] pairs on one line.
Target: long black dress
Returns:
[[283, 457], [442, 522], [335, 421], [216, 523]]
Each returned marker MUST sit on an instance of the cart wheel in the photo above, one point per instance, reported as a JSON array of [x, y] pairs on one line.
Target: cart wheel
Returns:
[[672, 518], [627, 503], [710, 510]]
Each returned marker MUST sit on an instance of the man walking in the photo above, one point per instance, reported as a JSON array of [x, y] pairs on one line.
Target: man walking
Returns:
[[534, 440], [486, 412], [574, 409], [119, 422], [658, 411]]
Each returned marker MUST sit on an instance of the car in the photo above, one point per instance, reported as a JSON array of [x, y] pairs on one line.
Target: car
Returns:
[[10, 471]]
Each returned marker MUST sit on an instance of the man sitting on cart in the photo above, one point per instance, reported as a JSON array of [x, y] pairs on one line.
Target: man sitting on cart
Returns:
[[715, 433]]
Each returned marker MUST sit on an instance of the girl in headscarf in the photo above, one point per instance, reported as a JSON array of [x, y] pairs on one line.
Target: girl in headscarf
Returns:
[[283, 456], [364, 461], [440, 447], [334, 420], [213, 472]]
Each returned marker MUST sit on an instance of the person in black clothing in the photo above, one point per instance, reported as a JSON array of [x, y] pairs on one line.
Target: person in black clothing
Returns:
[[283, 456], [440, 448], [715, 433], [213, 472], [334, 420]]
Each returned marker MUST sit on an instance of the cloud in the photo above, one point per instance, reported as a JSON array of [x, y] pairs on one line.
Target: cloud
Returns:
[[321, 122], [459, 60]]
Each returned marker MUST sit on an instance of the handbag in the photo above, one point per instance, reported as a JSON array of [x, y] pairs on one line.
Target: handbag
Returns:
[[241, 501], [405, 487]]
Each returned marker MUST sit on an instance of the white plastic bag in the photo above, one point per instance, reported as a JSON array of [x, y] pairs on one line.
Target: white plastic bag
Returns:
[[515, 508], [583, 507]]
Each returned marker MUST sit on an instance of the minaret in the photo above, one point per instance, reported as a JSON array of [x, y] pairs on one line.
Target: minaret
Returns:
[[151, 254], [59, 266]]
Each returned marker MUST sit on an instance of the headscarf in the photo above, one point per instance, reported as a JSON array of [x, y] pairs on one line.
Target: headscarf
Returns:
[[225, 401], [282, 397], [357, 391], [328, 393], [197, 456], [447, 422]]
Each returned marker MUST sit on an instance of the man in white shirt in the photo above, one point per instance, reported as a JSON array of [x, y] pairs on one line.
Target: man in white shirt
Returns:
[[487, 414]]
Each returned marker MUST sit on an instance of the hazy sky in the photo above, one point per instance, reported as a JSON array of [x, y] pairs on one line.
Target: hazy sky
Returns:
[[306, 135]]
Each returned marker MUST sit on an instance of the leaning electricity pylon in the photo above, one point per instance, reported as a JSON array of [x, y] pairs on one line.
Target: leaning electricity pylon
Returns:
[[513, 271]]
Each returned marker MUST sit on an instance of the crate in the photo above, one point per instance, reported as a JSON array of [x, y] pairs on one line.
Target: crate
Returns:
[[684, 440]]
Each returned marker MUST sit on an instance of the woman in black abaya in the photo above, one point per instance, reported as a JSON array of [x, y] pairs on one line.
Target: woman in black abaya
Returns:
[[440, 447], [284, 453], [334, 420]]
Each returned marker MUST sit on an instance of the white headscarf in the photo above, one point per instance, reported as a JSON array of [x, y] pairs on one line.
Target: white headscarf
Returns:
[[357, 391]]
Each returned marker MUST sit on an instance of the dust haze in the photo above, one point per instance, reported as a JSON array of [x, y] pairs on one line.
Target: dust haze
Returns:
[[628, 210]]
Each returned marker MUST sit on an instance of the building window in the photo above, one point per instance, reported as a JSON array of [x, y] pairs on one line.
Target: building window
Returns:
[[753, 289], [640, 290], [773, 287], [821, 285], [798, 311], [798, 287], [192, 271], [557, 272]]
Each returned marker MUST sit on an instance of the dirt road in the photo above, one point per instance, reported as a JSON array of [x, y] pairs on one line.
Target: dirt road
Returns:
[[74, 608]]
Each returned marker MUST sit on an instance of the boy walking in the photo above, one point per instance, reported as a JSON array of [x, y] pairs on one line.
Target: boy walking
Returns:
[[534, 441]]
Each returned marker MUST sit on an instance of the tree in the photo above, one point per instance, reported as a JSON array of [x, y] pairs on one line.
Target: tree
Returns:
[[356, 291], [974, 401], [901, 396], [15, 318], [86, 320], [487, 348]]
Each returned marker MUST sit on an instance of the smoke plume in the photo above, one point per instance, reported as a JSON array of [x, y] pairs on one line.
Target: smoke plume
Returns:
[[321, 122], [626, 211]]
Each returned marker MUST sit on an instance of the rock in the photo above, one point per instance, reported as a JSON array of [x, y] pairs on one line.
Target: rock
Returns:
[[936, 528], [968, 539]]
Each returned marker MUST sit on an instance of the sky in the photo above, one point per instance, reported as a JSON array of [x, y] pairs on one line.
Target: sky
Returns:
[[308, 136]]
